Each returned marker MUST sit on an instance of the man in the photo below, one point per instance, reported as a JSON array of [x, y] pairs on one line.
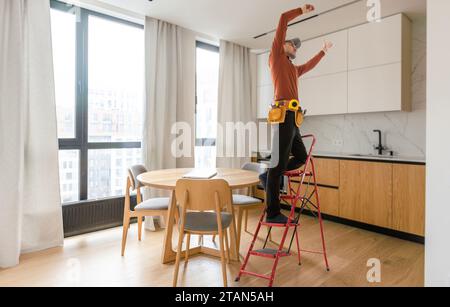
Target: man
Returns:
[[287, 138]]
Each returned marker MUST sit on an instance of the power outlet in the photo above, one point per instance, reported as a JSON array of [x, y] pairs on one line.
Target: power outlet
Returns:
[[338, 143]]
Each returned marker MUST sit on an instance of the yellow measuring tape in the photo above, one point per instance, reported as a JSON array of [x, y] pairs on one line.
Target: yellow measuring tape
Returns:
[[294, 105]]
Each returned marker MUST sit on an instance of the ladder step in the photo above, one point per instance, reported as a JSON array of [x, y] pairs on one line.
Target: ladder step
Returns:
[[297, 173], [269, 253], [292, 197], [292, 224]]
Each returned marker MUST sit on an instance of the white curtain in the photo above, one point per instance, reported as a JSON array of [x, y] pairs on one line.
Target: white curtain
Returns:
[[163, 90], [235, 102], [163, 72], [30, 206]]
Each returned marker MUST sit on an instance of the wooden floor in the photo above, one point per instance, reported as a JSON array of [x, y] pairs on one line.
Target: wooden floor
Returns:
[[94, 260]]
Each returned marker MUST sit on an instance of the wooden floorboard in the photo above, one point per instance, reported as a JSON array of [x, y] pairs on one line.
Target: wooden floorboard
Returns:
[[94, 260]]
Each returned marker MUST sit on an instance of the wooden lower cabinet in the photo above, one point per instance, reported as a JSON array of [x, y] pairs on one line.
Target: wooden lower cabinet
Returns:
[[327, 171], [366, 192], [329, 199], [409, 198], [387, 195]]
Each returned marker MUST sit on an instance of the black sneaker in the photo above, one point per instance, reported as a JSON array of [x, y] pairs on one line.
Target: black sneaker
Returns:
[[277, 219]]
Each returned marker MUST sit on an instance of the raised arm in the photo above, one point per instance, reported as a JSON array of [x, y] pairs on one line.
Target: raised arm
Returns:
[[280, 36], [308, 66]]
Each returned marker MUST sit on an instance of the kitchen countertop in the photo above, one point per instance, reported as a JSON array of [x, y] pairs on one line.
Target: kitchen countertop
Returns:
[[345, 156], [419, 160]]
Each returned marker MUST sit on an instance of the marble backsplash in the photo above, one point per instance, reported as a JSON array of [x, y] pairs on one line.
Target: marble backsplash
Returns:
[[403, 132]]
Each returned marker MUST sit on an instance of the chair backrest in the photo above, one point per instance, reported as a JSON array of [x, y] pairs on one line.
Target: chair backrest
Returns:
[[254, 167], [202, 195], [133, 173]]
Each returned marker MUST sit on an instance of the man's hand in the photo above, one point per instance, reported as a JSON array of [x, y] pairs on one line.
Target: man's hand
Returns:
[[327, 46], [307, 8]]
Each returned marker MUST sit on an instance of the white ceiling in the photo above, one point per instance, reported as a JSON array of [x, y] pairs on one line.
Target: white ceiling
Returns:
[[240, 20]]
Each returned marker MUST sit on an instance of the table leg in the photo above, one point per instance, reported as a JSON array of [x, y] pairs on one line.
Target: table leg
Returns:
[[169, 254], [233, 238]]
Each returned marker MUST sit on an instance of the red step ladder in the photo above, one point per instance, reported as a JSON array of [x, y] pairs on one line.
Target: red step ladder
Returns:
[[294, 197]]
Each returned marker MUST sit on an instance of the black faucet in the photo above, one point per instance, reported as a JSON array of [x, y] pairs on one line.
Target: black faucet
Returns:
[[380, 146]]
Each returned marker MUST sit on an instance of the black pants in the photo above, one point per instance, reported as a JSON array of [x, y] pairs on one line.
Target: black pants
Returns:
[[286, 140]]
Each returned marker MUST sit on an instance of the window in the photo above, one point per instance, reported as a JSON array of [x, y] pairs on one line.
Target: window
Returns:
[[99, 79], [207, 90]]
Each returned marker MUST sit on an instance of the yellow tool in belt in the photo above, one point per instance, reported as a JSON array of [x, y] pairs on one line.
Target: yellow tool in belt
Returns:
[[277, 114], [294, 104]]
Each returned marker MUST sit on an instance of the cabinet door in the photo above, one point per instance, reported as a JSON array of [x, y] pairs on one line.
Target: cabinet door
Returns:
[[328, 197], [375, 43], [409, 199], [334, 62], [327, 171], [324, 95], [366, 192], [265, 99], [264, 77], [329, 201], [376, 89]]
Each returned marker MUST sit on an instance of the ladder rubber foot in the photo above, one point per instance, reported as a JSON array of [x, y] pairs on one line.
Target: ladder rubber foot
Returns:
[[328, 270], [237, 279]]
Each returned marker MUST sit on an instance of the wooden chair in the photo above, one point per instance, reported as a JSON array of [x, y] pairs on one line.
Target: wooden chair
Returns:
[[206, 209], [150, 207], [243, 203]]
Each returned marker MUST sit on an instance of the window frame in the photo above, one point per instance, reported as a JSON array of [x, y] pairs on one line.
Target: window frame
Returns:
[[203, 142], [81, 140]]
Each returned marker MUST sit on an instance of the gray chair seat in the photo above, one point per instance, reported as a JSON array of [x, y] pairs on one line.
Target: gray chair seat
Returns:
[[206, 221], [161, 203], [244, 200]]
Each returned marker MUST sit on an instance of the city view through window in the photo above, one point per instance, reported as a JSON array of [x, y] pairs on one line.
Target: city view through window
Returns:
[[100, 104], [206, 110], [114, 106]]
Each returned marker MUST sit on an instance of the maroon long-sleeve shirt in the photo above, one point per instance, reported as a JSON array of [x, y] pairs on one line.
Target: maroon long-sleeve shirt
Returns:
[[284, 73]]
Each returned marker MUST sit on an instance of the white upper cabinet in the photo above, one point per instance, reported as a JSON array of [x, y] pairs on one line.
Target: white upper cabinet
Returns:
[[324, 95], [367, 70], [376, 43], [379, 77], [334, 62], [265, 89], [265, 99], [264, 77], [375, 89]]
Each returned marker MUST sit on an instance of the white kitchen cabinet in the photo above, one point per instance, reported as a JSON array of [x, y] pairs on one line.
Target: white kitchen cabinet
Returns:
[[324, 95], [265, 99], [379, 77], [334, 62], [376, 89], [264, 77], [368, 70], [378, 43]]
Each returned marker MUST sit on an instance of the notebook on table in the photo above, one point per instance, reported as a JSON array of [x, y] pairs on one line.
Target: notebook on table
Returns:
[[201, 173]]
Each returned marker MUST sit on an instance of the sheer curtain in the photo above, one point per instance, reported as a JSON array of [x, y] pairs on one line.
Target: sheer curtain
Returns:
[[235, 102], [164, 89], [30, 205]]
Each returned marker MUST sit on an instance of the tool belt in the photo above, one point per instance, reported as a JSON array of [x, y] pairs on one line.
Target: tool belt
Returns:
[[277, 114]]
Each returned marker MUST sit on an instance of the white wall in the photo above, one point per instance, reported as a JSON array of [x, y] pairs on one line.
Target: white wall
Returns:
[[437, 250]]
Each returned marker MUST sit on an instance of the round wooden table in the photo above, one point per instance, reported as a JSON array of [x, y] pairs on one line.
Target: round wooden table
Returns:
[[167, 180]]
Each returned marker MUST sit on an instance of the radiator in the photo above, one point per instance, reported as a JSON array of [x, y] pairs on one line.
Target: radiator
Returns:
[[89, 216]]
